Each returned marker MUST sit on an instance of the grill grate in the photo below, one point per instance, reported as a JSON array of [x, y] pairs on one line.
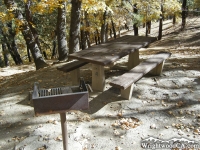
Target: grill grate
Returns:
[[49, 92]]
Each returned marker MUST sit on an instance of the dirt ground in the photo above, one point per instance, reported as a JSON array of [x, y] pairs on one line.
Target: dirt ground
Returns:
[[163, 107]]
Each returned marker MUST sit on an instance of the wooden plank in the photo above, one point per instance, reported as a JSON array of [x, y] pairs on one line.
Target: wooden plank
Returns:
[[122, 38], [139, 71], [100, 47], [71, 66], [96, 48], [108, 53]]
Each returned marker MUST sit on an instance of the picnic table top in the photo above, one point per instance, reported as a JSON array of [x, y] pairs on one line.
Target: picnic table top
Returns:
[[111, 51]]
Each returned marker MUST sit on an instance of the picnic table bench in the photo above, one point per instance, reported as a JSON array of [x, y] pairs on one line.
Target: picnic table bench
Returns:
[[126, 81], [74, 68]]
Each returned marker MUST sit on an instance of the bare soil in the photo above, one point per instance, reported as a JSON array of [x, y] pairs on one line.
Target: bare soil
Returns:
[[163, 107]]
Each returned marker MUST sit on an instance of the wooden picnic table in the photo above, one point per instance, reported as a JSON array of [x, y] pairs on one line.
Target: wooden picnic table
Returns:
[[108, 53]]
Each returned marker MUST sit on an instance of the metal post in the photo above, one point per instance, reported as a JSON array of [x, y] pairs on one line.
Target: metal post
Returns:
[[64, 130]]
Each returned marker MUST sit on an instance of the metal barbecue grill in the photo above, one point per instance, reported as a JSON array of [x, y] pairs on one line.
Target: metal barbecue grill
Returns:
[[60, 100]]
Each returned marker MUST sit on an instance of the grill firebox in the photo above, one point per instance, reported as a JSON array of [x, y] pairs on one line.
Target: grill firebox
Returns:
[[61, 99]]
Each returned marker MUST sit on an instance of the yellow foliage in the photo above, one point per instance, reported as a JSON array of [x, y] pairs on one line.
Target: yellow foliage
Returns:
[[5, 29], [4, 17], [150, 10], [46, 6], [197, 3], [171, 7]]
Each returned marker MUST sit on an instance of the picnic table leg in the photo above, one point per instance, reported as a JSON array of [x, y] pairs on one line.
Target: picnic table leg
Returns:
[[75, 76], [127, 93], [133, 59], [64, 130], [158, 69], [98, 77]]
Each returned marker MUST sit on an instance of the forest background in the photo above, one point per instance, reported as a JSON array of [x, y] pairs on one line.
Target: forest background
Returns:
[[37, 30]]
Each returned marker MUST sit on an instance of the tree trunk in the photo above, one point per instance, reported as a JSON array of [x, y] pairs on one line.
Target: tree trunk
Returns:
[[83, 40], [11, 52], [74, 33], [61, 32], [144, 25], [103, 28], [110, 33], [160, 24], [98, 37], [107, 32], [184, 14], [96, 41], [35, 51], [87, 33], [119, 29], [16, 53], [28, 36], [83, 43], [148, 28], [1, 62], [54, 50], [45, 55], [135, 26], [114, 31], [11, 44], [14, 48], [5, 55], [30, 21], [174, 18], [28, 53]]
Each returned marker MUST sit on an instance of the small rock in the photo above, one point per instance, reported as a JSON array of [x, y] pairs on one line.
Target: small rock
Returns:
[[45, 146], [188, 112], [29, 127], [173, 124], [92, 146], [180, 112], [122, 137], [180, 132], [59, 138], [46, 138], [21, 148], [55, 122], [153, 126], [118, 148], [116, 132], [198, 116], [167, 127], [187, 129], [170, 112], [196, 131]]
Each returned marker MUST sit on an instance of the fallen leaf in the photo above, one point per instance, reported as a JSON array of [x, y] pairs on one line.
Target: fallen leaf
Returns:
[[179, 104], [59, 138]]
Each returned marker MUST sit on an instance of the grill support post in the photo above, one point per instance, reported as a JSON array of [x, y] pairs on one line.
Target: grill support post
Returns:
[[64, 130]]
